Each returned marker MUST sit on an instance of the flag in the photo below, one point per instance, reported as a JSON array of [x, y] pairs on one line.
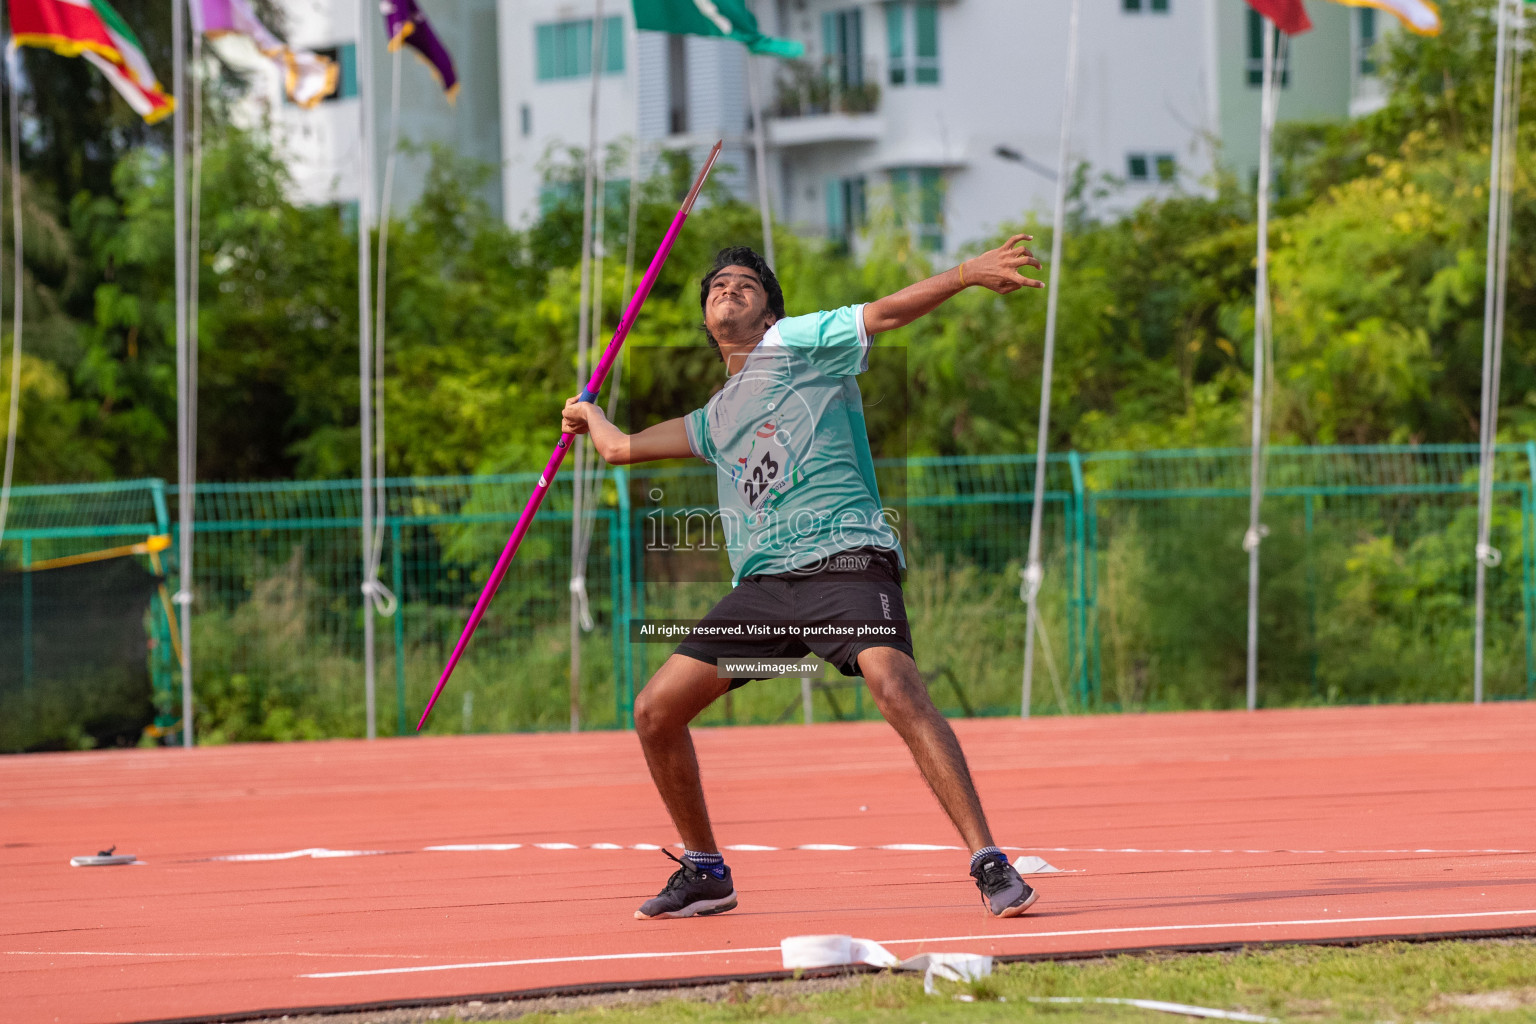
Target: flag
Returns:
[[1289, 16], [93, 30], [406, 25], [308, 77], [1419, 16], [728, 18]]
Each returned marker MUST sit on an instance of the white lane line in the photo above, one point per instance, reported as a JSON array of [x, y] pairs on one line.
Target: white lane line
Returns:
[[1133, 849], [81, 952], [545, 960], [316, 852], [321, 853], [946, 938]]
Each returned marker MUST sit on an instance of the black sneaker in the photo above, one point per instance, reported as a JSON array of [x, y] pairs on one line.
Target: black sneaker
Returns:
[[1003, 892], [691, 892]]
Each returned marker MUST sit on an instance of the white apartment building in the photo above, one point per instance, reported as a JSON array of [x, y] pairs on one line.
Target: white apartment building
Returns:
[[943, 113], [946, 113]]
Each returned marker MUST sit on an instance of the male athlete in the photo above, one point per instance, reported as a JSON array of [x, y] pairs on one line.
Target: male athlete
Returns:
[[808, 546]]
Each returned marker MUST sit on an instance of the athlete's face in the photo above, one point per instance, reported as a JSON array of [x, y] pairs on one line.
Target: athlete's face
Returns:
[[736, 309]]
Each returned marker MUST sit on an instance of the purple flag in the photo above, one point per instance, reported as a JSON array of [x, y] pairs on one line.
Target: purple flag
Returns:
[[308, 77], [406, 25]]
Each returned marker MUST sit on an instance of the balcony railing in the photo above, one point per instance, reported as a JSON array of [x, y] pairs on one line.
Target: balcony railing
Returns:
[[807, 89]]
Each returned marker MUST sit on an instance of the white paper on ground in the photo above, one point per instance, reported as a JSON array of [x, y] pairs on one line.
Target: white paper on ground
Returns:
[[1034, 866], [804, 951]]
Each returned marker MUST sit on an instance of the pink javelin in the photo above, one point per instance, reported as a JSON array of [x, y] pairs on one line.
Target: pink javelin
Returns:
[[589, 393]]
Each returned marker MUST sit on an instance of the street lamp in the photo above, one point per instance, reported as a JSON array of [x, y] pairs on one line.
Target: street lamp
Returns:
[[1015, 156]]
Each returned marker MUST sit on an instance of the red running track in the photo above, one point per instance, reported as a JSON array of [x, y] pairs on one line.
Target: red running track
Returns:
[[1170, 830]]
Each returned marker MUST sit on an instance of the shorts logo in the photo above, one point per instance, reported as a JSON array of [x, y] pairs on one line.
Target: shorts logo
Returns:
[[850, 563], [885, 604]]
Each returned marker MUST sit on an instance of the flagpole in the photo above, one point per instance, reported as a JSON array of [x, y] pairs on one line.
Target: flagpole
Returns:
[[760, 145], [184, 440], [583, 340], [1496, 268], [1261, 326], [13, 414], [364, 341], [1034, 572]]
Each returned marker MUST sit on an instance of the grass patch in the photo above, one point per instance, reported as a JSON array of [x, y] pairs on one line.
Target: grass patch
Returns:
[[1445, 982]]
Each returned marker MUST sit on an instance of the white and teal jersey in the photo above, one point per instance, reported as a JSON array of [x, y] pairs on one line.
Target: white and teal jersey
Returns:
[[787, 436]]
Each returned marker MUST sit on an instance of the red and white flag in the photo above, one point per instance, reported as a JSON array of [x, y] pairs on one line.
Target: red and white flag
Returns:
[[93, 30]]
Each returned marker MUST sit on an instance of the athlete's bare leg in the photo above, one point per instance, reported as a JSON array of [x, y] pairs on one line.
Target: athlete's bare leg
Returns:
[[899, 692], [679, 690]]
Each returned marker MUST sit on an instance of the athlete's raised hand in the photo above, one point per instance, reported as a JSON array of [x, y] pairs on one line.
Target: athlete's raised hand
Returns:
[[1000, 269]]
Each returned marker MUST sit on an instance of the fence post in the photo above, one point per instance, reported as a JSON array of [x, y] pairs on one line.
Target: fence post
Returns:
[[397, 577], [624, 686], [1310, 526], [616, 602], [26, 613], [1078, 613], [1529, 590]]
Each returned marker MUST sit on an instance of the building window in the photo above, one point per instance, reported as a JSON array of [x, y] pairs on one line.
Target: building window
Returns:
[[677, 85], [1367, 53], [526, 114], [842, 44], [1143, 167], [1256, 53], [912, 37], [846, 209], [563, 49], [1139, 6], [917, 196], [345, 57]]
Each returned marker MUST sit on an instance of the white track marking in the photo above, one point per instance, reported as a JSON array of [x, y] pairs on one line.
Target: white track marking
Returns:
[[545, 960], [945, 938], [323, 853], [316, 852], [1134, 849], [182, 956]]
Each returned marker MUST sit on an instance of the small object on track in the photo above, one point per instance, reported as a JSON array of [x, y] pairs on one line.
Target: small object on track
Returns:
[[102, 859]]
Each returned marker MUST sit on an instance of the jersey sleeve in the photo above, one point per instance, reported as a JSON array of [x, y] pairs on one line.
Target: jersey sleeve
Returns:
[[696, 424], [835, 342]]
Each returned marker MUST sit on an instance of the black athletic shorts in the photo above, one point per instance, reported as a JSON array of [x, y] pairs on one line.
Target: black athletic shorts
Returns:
[[840, 608]]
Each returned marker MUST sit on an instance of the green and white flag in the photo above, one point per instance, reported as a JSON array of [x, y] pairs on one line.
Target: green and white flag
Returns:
[[728, 18]]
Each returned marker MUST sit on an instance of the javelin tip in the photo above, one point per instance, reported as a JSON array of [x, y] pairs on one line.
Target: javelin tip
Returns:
[[698, 183]]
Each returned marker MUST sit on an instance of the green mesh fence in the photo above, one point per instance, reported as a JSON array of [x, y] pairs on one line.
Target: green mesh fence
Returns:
[[53, 694], [1366, 588]]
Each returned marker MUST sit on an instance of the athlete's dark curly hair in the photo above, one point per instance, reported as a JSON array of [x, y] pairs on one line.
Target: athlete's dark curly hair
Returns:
[[742, 256]]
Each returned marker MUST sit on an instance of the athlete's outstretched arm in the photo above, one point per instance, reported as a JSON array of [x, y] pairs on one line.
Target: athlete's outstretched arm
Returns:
[[668, 440], [997, 269]]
